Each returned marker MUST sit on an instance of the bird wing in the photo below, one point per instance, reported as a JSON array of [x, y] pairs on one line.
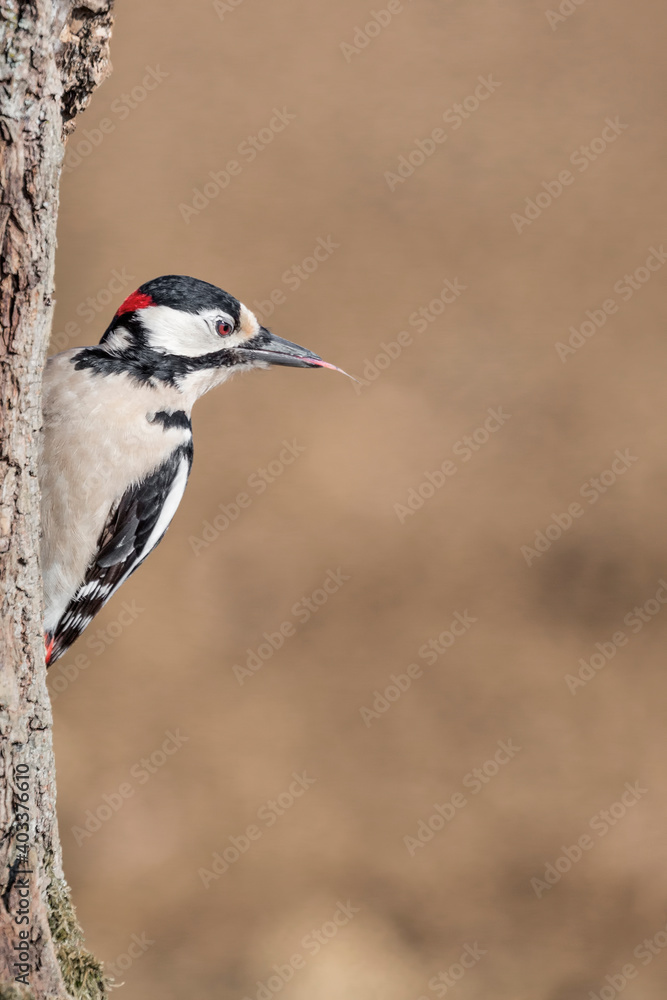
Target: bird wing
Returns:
[[135, 525]]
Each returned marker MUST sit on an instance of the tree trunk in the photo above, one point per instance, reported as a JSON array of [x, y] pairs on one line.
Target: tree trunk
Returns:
[[54, 53]]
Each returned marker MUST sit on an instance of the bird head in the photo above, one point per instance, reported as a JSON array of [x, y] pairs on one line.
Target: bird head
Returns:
[[191, 335]]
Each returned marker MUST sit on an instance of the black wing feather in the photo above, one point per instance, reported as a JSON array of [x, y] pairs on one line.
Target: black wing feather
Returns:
[[119, 548]]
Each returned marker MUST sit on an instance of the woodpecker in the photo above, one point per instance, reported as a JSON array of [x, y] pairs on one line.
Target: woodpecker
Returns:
[[116, 448]]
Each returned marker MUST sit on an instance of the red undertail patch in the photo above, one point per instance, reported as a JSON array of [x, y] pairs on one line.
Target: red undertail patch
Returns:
[[48, 646]]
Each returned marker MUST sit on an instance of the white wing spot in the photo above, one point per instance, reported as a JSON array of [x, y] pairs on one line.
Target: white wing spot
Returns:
[[94, 587]]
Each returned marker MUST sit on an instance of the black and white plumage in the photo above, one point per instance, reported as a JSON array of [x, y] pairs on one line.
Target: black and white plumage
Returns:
[[117, 441]]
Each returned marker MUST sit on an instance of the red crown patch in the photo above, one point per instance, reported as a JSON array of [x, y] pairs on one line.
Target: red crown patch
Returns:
[[137, 300]]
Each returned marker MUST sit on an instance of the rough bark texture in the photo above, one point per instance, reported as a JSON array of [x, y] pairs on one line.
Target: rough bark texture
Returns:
[[54, 53]]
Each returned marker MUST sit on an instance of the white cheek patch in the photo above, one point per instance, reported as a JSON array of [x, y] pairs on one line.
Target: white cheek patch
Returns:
[[191, 335], [170, 331]]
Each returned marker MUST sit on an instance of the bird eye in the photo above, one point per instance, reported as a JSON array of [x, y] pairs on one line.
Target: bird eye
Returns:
[[224, 327]]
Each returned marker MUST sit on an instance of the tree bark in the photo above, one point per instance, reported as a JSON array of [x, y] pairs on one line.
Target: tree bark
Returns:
[[53, 54]]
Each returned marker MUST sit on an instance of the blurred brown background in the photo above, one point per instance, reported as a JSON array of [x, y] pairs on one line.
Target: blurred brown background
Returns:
[[161, 657]]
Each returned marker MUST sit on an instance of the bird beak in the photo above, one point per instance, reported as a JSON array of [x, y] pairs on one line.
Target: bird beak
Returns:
[[276, 351]]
